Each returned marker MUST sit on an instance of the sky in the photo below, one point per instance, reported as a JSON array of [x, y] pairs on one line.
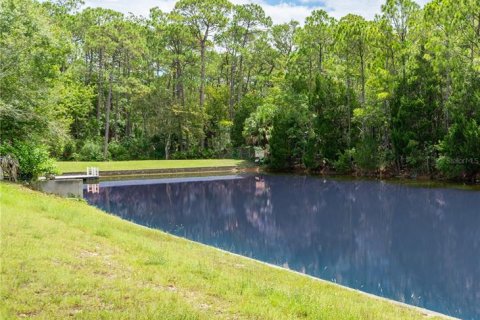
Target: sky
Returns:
[[280, 11]]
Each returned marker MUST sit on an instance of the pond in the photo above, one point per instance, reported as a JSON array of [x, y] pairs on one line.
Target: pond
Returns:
[[416, 245]]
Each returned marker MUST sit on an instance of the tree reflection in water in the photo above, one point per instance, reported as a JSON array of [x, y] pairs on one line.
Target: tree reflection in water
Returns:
[[416, 245]]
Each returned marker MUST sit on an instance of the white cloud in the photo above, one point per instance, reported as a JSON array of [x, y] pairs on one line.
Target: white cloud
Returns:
[[365, 8], [284, 12], [138, 7], [281, 12]]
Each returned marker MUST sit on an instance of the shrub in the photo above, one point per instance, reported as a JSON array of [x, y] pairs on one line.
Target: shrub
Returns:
[[460, 151], [195, 153], [344, 163], [118, 151], [449, 168], [366, 155], [34, 160], [290, 135], [91, 151], [68, 152], [138, 148]]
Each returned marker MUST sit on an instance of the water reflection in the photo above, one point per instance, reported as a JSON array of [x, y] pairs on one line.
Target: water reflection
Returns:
[[415, 245], [93, 188]]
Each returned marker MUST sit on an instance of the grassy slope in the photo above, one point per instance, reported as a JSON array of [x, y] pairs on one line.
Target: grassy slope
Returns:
[[61, 258], [80, 166]]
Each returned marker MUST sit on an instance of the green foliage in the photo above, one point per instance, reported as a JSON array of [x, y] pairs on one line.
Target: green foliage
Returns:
[[32, 52], [195, 153], [133, 148], [319, 129], [258, 126], [216, 104], [73, 101], [248, 105], [344, 163], [69, 151], [365, 155], [139, 148], [33, 159], [290, 135], [221, 141], [117, 151], [280, 153], [210, 76], [91, 151], [330, 102], [460, 150], [417, 117]]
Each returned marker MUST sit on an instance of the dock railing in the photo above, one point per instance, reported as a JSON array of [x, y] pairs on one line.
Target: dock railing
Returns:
[[92, 172]]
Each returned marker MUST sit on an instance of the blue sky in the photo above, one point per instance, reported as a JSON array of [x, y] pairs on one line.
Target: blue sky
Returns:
[[280, 11]]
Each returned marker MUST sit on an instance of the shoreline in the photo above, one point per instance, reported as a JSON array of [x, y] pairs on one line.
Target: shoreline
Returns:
[[196, 166], [421, 181], [377, 176]]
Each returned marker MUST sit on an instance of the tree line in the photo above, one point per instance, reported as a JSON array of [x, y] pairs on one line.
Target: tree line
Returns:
[[396, 94]]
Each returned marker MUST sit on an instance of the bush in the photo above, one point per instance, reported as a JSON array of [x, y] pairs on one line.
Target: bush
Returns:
[[460, 151], [343, 164], [34, 160], [366, 155], [291, 135], [449, 168], [68, 152], [138, 148], [91, 151], [118, 151], [247, 105], [130, 148], [195, 153]]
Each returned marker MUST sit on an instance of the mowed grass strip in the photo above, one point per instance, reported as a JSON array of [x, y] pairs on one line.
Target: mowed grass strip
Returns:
[[81, 166], [62, 258]]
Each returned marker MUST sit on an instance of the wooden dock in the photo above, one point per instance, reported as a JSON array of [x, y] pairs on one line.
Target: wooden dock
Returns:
[[92, 173], [76, 176]]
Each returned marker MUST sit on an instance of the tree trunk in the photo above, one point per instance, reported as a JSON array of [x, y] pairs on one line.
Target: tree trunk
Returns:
[[320, 60], [232, 89], [128, 125], [180, 96], [100, 84], [310, 75], [362, 69], [349, 135], [247, 82], [116, 116], [167, 146], [107, 115], [202, 73], [240, 79]]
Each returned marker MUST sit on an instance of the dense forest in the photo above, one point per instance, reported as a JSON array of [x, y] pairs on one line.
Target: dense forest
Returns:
[[396, 95]]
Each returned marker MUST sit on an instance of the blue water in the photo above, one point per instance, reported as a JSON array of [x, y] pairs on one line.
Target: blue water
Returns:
[[417, 245]]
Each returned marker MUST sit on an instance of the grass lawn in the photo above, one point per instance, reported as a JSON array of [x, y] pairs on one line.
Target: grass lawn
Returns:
[[81, 166], [62, 258]]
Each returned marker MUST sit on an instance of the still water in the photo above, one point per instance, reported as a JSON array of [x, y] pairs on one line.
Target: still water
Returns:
[[417, 245]]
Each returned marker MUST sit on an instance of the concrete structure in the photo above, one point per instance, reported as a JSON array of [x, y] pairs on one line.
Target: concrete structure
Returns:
[[64, 188]]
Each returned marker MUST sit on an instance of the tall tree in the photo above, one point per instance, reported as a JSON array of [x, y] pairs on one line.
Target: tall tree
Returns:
[[247, 22], [401, 15], [353, 46], [205, 17]]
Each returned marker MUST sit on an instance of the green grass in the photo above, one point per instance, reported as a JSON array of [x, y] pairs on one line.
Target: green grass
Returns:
[[81, 166], [62, 258]]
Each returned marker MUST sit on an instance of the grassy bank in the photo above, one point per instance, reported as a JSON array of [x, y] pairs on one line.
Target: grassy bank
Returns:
[[62, 258], [81, 166]]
